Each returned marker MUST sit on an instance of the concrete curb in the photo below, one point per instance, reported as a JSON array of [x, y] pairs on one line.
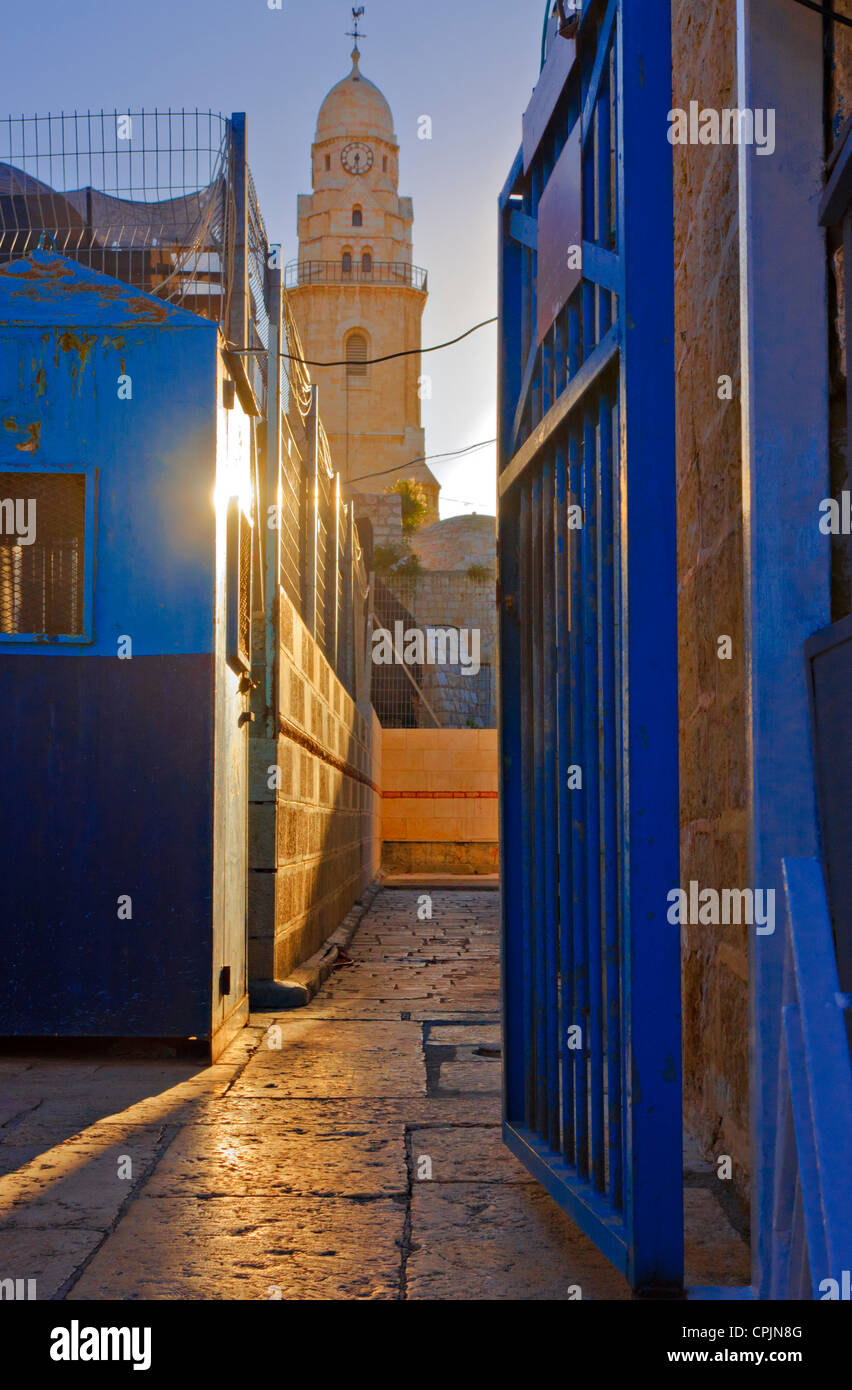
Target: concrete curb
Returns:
[[299, 989]]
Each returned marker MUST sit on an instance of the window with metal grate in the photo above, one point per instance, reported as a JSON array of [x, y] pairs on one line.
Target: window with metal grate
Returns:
[[356, 355], [42, 553]]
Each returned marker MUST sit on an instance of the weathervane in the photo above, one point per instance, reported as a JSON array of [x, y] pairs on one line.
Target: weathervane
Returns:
[[355, 32]]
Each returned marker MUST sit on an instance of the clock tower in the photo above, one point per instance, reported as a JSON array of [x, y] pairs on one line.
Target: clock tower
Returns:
[[356, 296]]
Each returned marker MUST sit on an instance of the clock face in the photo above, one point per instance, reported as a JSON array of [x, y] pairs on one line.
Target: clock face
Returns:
[[356, 158]]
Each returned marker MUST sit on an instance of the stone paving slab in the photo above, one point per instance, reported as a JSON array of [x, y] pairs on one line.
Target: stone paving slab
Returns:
[[499, 1241], [305, 1155], [475, 1153], [477, 1034], [420, 1111], [76, 1183], [68, 1117], [50, 1256], [331, 1058], [468, 1074], [299, 1248], [715, 1254]]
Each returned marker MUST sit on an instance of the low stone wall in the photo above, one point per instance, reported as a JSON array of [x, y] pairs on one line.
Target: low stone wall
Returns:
[[439, 801], [315, 823]]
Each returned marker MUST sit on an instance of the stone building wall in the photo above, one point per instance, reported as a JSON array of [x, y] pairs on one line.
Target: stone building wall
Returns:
[[315, 840], [710, 586], [383, 511], [439, 804]]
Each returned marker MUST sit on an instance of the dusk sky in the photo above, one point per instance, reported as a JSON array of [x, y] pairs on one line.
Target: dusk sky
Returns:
[[469, 66]]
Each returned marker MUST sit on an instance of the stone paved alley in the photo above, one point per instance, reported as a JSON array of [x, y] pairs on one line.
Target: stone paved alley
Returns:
[[298, 1166]]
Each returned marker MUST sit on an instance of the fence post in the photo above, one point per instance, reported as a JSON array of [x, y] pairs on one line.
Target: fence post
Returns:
[[238, 315], [310, 529], [272, 534]]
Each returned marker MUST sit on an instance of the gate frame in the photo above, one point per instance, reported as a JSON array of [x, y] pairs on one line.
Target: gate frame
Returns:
[[646, 1243], [785, 474]]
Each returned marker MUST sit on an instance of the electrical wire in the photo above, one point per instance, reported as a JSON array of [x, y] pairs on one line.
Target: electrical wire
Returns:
[[427, 458], [372, 361], [826, 13]]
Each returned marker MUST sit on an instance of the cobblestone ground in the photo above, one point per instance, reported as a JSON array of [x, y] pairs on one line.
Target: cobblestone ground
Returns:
[[347, 1150]]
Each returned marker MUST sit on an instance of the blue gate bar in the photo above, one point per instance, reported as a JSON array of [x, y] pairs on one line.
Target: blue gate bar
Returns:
[[551, 885], [527, 918]]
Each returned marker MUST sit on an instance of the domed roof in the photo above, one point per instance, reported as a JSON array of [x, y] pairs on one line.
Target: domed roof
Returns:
[[355, 107], [458, 542]]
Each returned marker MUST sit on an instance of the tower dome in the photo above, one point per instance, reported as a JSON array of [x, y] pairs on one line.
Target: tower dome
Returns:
[[355, 107]]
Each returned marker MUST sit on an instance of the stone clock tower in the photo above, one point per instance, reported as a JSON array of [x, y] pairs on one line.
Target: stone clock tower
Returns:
[[356, 296]]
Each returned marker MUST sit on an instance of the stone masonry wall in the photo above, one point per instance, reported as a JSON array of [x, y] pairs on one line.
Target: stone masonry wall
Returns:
[[315, 840], [710, 587], [439, 806]]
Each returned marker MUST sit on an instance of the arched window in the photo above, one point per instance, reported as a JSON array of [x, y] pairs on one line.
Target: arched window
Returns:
[[357, 217], [385, 164], [356, 355], [367, 263], [328, 161], [347, 262]]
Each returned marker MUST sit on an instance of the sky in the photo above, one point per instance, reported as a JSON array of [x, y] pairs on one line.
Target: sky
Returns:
[[468, 64]]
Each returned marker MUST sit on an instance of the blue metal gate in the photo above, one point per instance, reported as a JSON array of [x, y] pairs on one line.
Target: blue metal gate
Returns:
[[587, 546]]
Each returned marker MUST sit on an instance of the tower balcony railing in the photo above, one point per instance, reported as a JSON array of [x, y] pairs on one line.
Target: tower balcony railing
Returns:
[[335, 273]]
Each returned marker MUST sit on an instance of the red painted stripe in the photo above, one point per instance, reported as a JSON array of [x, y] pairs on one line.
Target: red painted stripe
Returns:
[[445, 796]]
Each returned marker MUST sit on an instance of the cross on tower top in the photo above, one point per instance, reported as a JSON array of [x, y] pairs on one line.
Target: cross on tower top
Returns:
[[355, 32]]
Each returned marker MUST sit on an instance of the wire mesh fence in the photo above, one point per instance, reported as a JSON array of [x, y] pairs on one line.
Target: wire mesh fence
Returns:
[[144, 197], [427, 672]]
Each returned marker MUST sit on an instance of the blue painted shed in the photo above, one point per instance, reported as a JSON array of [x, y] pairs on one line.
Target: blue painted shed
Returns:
[[125, 572]]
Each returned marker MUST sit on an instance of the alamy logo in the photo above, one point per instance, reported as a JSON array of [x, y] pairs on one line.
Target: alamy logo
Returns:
[[17, 1289], [18, 519], [707, 907], [730, 126], [437, 646], [76, 1343], [831, 1289]]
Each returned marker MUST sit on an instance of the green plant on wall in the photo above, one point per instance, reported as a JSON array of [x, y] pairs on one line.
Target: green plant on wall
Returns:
[[415, 505], [396, 559], [478, 573]]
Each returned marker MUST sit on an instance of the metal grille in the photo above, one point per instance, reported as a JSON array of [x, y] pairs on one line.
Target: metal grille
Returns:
[[589, 644], [321, 577], [351, 272], [356, 355], [244, 618], [396, 686], [443, 690], [290, 553], [42, 553], [141, 196], [257, 251]]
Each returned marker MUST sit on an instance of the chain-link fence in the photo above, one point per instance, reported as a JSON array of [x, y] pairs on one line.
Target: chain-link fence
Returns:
[[427, 672], [142, 196]]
